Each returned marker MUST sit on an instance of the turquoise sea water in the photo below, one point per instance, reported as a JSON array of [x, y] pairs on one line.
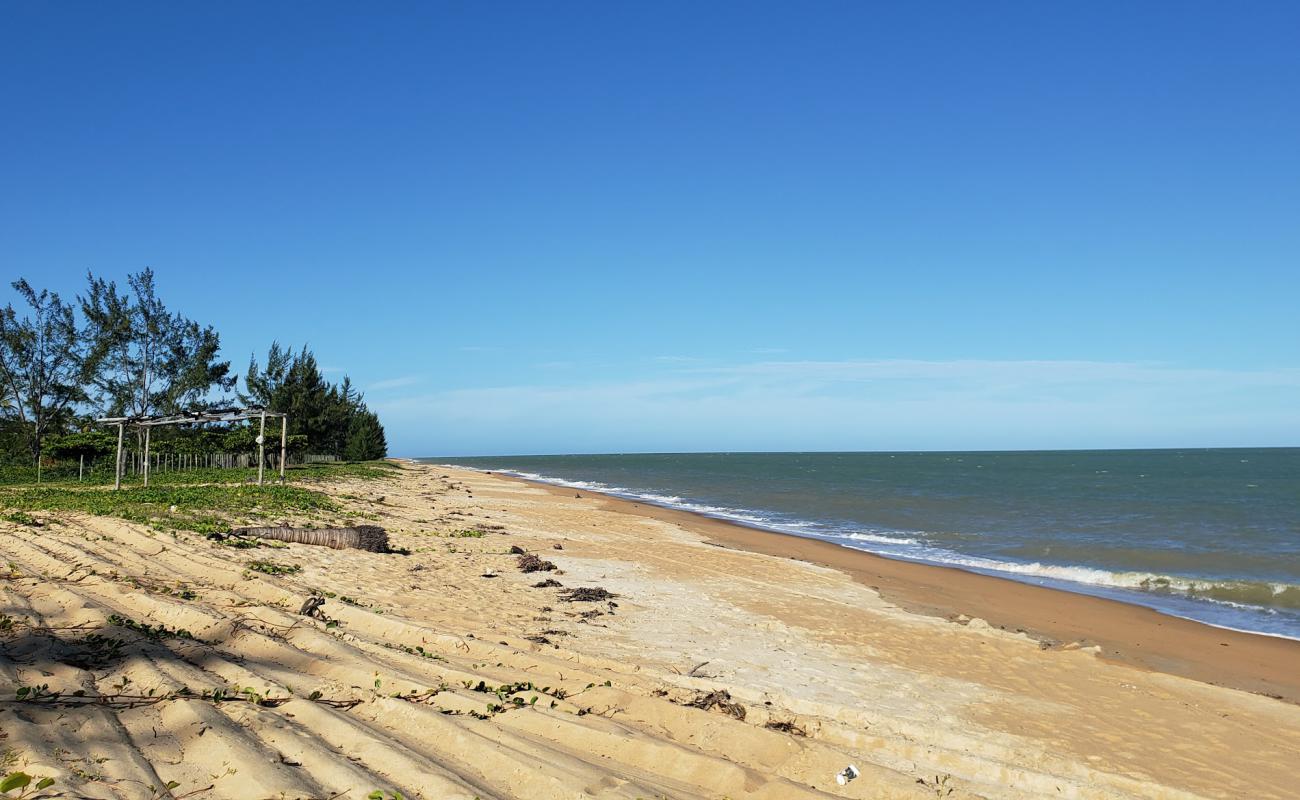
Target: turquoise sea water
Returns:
[[1213, 535]]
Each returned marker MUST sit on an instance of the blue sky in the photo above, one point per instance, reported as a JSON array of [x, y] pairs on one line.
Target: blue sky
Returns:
[[574, 227]]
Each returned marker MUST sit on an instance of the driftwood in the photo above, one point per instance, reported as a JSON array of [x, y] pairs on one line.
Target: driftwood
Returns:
[[361, 537]]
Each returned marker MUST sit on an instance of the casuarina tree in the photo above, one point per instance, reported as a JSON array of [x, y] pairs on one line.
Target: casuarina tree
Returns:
[[42, 357], [327, 416], [148, 360]]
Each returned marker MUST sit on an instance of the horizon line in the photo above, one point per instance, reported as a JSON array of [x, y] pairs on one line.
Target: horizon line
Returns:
[[860, 452]]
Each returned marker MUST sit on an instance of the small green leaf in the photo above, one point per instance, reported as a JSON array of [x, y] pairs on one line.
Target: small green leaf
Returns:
[[375, 795], [15, 780], [44, 783]]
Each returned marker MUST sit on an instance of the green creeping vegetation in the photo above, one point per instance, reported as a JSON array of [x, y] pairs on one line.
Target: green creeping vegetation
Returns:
[[352, 601], [16, 475], [202, 509], [19, 784], [180, 590], [150, 631], [366, 470], [272, 568], [415, 651], [466, 535], [202, 500], [95, 652], [123, 699]]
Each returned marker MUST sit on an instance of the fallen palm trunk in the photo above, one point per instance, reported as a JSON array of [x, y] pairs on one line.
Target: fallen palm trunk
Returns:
[[361, 537]]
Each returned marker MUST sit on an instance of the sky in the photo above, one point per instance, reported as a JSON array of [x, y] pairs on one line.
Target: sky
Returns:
[[617, 227]]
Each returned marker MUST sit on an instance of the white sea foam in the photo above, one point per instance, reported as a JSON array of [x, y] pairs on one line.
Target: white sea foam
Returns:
[[879, 538], [1236, 594]]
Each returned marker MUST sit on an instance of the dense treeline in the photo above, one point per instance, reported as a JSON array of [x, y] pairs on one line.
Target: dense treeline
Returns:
[[122, 352]]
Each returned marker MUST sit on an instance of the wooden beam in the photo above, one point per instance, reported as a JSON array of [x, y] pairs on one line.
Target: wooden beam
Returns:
[[284, 439]]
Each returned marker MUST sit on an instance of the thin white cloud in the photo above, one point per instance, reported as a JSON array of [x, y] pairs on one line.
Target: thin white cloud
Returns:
[[679, 359], [877, 404], [394, 383]]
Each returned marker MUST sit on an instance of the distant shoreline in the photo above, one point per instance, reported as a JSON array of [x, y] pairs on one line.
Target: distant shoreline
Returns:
[[1122, 632]]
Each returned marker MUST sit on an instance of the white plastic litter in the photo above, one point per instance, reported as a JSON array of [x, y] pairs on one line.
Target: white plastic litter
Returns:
[[847, 774]]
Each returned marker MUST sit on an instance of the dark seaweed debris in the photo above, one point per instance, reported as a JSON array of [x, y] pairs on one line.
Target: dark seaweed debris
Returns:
[[720, 699], [531, 563], [586, 594], [785, 727]]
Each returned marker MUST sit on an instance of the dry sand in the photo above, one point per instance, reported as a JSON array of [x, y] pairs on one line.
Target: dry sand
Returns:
[[859, 677]]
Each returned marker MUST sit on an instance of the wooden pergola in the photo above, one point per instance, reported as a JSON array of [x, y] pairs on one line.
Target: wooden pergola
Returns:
[[193, 417]]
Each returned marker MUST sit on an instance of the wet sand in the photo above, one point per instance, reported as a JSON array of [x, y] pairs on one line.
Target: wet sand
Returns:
[[1120, 632]]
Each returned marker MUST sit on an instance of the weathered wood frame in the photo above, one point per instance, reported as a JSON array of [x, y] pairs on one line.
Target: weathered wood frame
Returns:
[[214, 415]]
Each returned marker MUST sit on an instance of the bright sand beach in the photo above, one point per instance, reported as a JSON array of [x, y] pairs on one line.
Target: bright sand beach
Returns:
[[918, 676]]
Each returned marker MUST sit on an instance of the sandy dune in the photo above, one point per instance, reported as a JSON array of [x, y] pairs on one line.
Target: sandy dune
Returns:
[[843, 676]]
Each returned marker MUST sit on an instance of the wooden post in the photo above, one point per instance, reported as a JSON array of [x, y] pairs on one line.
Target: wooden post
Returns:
[[146, 457], [81, 467], [117, 475], [284, 439], [261, 448]]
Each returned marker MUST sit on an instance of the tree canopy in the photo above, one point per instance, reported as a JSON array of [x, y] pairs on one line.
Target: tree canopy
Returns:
[[42, 362], [128, 354], [145, 359], [329, 416]]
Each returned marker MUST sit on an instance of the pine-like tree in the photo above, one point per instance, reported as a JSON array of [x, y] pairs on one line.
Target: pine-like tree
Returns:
[[41, 361], [366, 440], [324, 414], [144, 359]]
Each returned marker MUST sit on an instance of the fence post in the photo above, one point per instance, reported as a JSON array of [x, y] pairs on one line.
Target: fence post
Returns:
[[81, 467], [261, 448], [146, 455], [284, 438], [117, 474]]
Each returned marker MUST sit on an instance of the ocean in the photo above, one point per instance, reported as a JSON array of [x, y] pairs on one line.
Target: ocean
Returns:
[[1211, 535]]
